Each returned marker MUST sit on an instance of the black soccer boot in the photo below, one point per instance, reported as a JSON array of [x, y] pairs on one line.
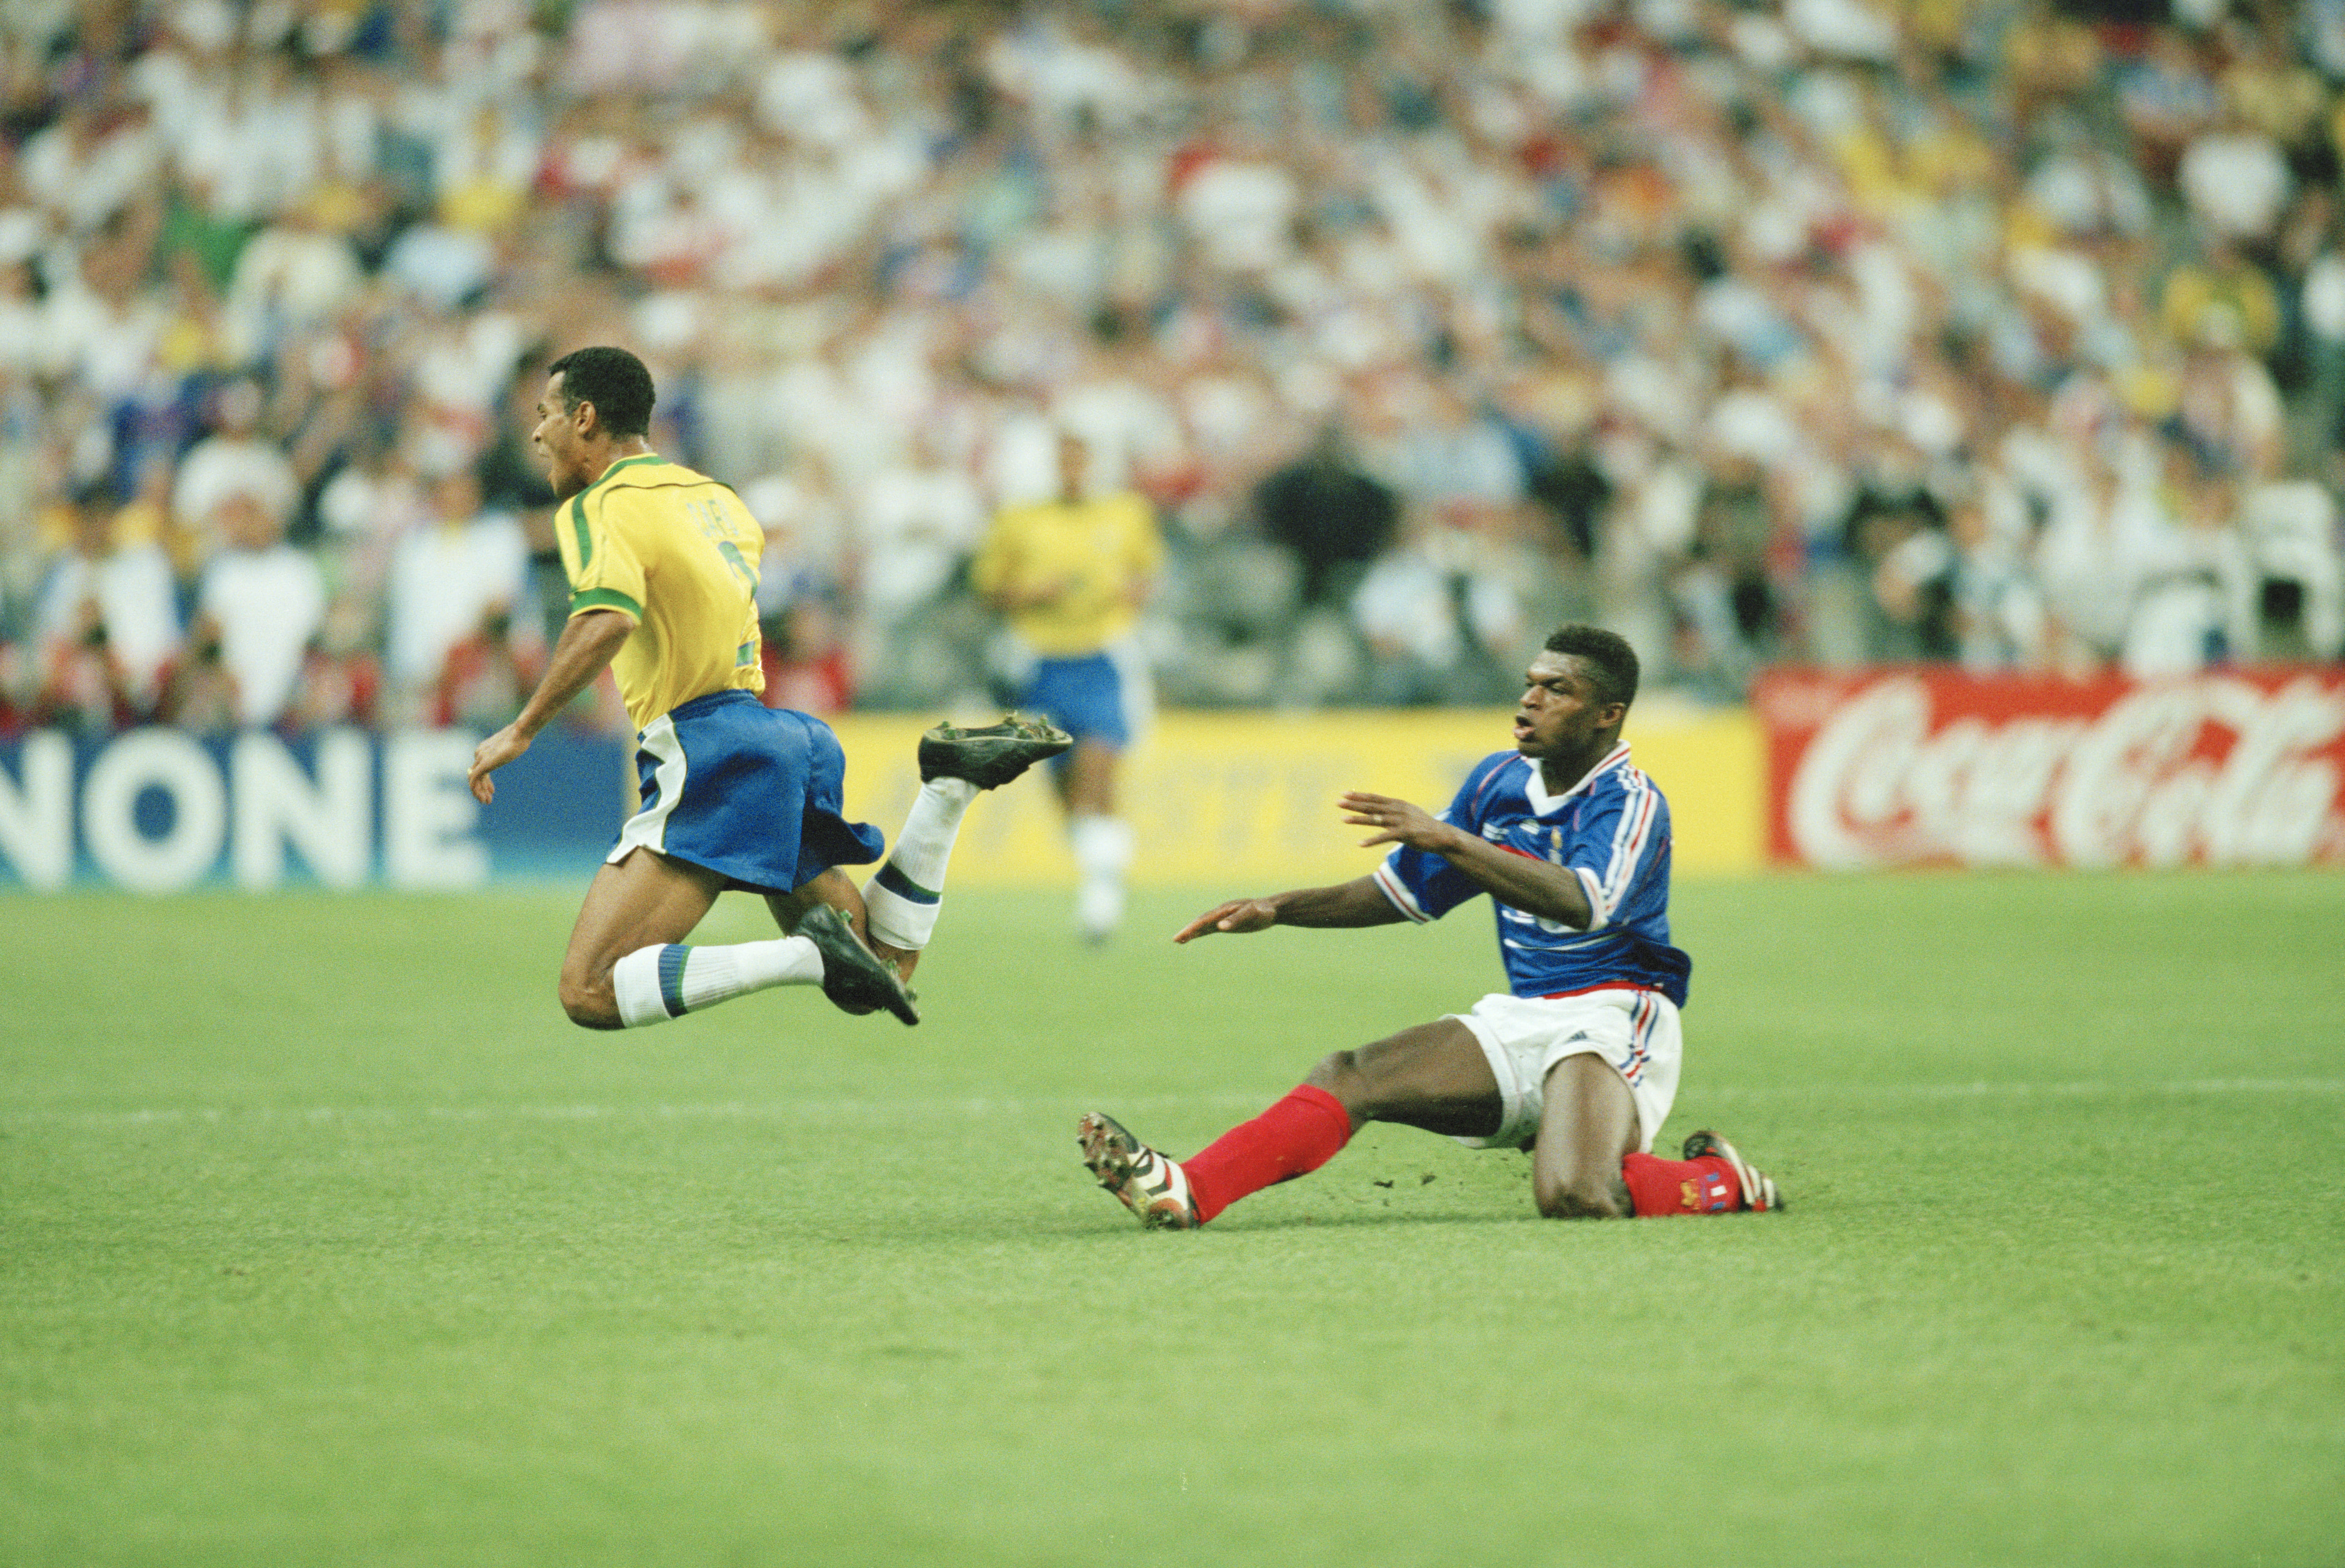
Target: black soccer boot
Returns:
[[856, 979], [990, 757]]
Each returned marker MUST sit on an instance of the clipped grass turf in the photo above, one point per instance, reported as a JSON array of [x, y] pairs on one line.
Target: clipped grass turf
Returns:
[[324, 1240]]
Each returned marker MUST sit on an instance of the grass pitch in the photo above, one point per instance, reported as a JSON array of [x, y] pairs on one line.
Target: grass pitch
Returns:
[[324, 1240]]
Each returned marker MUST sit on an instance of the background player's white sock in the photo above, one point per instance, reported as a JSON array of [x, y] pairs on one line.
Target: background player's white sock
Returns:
[[1102, 847], [657, 984], [903, 896]]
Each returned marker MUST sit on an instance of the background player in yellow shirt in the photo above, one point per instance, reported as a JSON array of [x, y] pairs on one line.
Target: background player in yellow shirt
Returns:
[[1071, 574], [734, 795]]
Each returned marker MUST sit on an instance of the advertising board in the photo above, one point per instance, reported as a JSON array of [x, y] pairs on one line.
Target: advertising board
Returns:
[[1245, 801], [1919, 767], [158, 810]]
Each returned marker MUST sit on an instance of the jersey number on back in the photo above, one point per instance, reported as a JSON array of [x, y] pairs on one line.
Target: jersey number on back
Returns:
[[711, 524]]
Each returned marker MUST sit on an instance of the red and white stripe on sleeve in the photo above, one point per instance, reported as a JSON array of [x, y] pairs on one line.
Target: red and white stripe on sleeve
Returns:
[[1402, 899]]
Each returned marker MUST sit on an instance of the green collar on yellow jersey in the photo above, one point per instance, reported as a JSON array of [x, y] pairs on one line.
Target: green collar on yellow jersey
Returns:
[[626, 462], [578, 502]]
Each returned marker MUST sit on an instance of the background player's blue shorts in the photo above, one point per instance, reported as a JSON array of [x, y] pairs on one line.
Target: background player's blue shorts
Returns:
[[1086, 696], [749, 791]]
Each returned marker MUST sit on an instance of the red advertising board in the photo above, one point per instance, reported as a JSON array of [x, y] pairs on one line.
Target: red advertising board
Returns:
[[1922, 767]]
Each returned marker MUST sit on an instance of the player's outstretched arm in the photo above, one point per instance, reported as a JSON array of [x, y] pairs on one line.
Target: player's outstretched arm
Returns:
[[1534, 887], [1353, 903], [586, 645]]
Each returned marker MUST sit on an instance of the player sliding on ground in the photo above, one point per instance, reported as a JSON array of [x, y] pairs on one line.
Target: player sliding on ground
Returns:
[[1578, 1062], [734, 795]]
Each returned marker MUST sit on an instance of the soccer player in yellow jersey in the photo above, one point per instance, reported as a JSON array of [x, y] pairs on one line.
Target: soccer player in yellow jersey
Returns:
[[1071, 574], [734, 795]]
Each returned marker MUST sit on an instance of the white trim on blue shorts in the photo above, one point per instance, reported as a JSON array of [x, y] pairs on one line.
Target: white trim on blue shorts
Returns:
[[648, 828]]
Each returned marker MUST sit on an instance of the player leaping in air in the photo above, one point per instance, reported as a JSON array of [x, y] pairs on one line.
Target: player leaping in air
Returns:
[[734, 795], [1576, 1061]]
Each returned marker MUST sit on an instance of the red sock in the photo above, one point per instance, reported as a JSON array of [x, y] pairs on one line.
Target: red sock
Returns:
[[1659, 1186], [1298, 1135]]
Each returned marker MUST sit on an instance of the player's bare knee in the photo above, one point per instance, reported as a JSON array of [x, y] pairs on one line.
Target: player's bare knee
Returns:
[[1580, 1197], [589, 1001]]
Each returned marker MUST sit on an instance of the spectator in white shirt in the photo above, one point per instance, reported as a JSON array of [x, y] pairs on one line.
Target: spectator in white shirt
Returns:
[[107, 622], [2236, 182], [258, 604], [920, 519], [293, 274], [234, 463], [451, 580]]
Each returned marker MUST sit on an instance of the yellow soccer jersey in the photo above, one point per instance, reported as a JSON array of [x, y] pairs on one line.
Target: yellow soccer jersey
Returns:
[[1096, 552], [676, 553]]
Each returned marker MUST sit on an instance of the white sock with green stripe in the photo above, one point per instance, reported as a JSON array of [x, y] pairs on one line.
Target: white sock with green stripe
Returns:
[[904, 896], [656, 983]]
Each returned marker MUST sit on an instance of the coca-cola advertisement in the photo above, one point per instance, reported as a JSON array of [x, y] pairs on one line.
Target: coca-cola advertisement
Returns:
[[1924, 766]]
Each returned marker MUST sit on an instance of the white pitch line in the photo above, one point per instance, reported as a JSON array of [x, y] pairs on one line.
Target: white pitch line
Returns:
[[719, 1111], [2088, 1089], [855, 1110]]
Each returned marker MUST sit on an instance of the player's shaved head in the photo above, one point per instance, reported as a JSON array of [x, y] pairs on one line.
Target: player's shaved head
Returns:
[[614, 381], [1610, 662]]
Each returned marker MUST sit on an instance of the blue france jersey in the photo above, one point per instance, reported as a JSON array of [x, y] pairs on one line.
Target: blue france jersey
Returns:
[[1611, 830]]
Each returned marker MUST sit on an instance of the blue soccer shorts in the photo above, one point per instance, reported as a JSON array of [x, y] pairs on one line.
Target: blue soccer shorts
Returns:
[[1103, 696], [751, 792]]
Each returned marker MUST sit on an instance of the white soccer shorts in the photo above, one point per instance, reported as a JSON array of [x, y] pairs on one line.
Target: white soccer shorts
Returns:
[[1636, 1031]]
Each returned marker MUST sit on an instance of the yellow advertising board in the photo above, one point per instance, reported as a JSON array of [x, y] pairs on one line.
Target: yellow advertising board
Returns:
[[1247, 802]]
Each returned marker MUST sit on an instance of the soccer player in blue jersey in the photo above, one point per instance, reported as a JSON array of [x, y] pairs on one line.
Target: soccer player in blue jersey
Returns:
[[661, 563], [1577, 1061]]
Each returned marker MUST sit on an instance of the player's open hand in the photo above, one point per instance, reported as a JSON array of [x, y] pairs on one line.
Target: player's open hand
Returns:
[[1395, 822], [1236, 916], [491, 755]]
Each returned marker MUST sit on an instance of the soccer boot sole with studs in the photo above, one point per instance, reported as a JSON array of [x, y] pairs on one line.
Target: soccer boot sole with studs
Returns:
[[992, 755], [1155, 1188]]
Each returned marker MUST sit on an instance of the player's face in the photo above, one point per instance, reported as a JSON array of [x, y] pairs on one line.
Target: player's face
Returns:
[[560, 441], [1558, 718]]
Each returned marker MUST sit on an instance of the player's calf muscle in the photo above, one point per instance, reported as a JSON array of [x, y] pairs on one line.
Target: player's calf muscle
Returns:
[[1374, 1084]]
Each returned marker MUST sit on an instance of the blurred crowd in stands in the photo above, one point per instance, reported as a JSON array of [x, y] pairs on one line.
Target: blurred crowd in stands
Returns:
[[1829, 330]]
